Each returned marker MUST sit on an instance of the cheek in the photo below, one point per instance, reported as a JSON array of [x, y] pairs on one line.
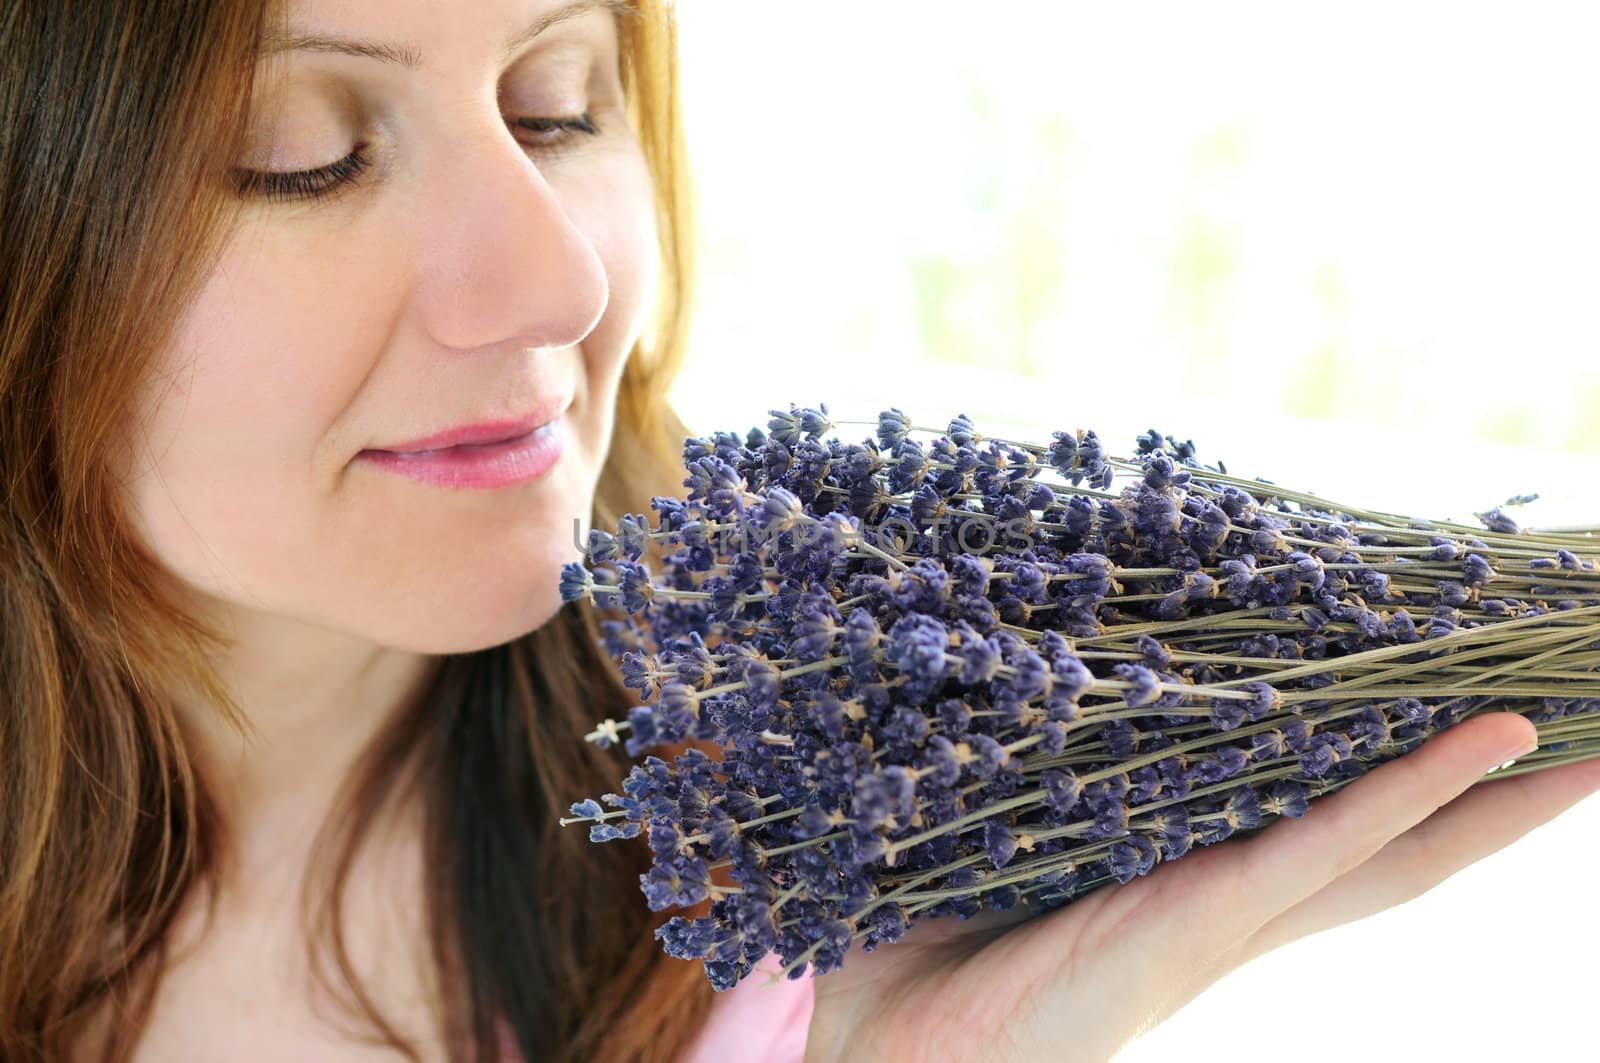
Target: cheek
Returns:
[[226, 461], [618, 217]]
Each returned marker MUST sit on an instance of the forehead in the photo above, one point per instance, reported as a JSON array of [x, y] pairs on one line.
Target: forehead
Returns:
[[396, 32]]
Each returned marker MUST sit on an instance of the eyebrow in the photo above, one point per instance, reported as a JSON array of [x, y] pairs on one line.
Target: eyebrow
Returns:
[[411, 59]]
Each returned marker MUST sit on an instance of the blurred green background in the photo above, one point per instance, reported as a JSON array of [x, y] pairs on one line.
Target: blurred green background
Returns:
[[1368, 228]]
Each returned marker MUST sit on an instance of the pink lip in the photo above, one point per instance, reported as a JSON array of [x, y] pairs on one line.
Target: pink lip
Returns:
[[511, 461], [484, 432], [486, 454]]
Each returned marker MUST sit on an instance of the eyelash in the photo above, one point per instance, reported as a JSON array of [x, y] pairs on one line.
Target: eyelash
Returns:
[[315, 184]]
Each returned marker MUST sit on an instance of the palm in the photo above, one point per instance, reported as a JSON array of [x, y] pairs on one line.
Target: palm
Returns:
[[1077, 983]]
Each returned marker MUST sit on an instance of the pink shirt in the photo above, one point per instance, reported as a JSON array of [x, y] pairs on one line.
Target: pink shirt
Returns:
[[757, 1020]]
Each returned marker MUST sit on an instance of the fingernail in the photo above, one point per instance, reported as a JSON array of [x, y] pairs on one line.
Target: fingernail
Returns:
[[1522, 750]]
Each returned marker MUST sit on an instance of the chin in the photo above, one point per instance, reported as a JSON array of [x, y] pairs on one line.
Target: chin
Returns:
[[470, 628], [501, 594]]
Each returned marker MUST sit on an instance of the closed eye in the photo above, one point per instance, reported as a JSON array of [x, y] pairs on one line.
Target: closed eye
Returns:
[[314, 184]]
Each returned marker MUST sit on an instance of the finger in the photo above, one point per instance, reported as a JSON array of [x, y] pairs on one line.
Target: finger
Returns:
[[1242, 884], [1484, 820]]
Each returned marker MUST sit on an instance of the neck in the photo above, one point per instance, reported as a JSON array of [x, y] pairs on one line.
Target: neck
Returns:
[[315, 702]]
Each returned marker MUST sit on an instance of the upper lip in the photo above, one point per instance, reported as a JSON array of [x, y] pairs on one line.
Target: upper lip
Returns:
[[480, 433]]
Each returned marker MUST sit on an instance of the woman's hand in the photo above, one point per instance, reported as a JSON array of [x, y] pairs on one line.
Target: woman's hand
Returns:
[[1080, 982]]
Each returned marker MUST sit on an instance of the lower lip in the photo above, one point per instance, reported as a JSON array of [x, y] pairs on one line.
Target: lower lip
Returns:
[[494, 465]]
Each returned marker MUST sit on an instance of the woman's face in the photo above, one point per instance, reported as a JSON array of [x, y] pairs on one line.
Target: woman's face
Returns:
[[480, 265]]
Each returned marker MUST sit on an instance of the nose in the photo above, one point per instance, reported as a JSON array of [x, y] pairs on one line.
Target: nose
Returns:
[[500, 263]]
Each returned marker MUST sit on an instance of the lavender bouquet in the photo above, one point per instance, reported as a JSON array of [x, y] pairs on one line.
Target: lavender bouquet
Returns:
[[961, 672]]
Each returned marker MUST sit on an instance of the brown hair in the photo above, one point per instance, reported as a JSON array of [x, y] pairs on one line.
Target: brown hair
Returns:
[[116, 125]]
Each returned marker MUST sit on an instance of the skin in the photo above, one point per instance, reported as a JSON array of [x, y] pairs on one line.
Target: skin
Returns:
[[472, 271], [1076, 984]]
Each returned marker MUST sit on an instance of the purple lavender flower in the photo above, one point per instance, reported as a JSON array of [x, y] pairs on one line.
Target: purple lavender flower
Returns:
[[1132, 856]]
